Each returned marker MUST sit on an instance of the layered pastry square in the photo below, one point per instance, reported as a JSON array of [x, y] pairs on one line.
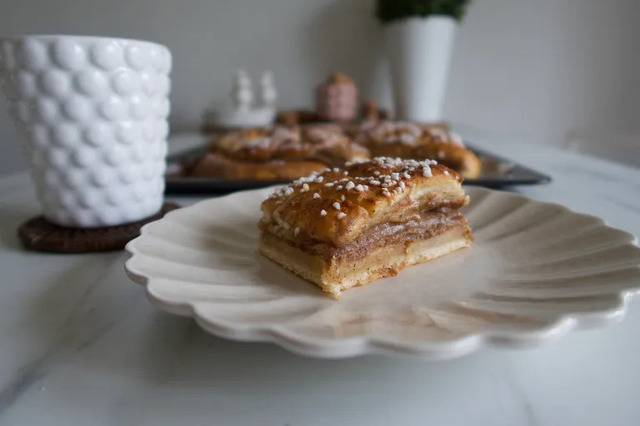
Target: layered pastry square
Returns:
[[348, 226]]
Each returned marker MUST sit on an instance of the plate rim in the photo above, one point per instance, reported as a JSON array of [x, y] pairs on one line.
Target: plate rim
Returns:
[[336, 348]]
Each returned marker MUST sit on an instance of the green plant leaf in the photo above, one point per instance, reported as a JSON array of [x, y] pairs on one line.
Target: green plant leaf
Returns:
[[393, 10]]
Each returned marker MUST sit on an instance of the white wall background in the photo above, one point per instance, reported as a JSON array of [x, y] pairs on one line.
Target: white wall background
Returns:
[[532, 69]]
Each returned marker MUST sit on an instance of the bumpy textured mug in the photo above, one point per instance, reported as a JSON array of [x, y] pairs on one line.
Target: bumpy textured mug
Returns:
[[93, 112]]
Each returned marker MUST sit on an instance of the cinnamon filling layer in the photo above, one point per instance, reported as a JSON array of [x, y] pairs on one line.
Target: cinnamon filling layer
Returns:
[[421, 226]]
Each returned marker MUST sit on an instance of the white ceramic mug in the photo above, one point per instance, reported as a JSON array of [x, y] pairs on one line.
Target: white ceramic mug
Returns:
[[93, 112]]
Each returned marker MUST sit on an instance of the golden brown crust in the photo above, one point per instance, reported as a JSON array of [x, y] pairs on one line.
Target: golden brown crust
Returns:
[[337, 205], [260, 144], [409, 140], [329, 144], [453, 156], [278, 153], [217, 165], [299, 143], [335, 144]]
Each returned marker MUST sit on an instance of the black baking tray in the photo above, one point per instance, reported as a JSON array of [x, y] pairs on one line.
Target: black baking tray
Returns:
[[497, 172]]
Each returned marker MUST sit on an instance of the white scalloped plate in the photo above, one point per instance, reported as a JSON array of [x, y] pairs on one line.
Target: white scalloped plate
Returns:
[[535, 272]]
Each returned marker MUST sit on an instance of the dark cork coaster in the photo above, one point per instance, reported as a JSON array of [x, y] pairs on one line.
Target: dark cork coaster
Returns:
[[41, 235]]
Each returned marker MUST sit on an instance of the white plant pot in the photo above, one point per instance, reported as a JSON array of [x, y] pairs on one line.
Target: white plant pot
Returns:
[[419, 51], [93, 115]]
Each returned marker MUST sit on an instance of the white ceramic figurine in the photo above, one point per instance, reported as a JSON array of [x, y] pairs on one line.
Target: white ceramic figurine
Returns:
[[242, 93], [268, 92], [243, 112]]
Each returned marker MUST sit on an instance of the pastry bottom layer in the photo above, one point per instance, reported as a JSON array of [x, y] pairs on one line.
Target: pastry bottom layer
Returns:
[[337, 274]]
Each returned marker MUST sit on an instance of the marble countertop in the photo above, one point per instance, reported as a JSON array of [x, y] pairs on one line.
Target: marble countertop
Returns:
[[81, 345]]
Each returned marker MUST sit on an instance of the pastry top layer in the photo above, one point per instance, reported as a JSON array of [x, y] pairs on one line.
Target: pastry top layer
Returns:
[[286, 143], [299, 141], [405, 133], [409, 140], [337, 205]]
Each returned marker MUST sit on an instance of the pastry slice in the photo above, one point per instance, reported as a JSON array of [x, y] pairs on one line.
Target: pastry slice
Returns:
[[278, 153], [409, 140], [331, 145], [347, 227], [214, 164]]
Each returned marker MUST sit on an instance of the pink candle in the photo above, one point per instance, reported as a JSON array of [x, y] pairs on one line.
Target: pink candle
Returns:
[[337, 99]]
